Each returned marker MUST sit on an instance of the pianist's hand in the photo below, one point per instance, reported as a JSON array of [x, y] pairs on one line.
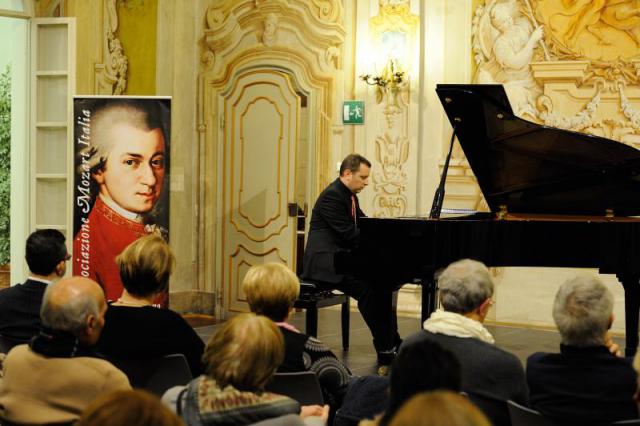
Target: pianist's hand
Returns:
[[613, 347]]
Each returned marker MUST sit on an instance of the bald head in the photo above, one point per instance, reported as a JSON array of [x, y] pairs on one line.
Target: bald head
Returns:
[[75, 305]]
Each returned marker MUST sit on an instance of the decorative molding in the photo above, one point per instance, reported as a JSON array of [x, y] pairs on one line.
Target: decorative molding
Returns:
[[313, 26], [394, 16], [580, 121], [111, 75], [393, 22], [328, 10], [390, 183]]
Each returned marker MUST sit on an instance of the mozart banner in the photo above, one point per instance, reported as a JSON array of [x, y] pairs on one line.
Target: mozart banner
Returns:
[[121, 190]]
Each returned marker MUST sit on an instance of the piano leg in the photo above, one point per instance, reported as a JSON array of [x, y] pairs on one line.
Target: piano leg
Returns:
[[631, 284], [429, 301]]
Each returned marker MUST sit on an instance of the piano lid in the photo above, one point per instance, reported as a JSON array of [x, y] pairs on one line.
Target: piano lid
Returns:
[[531, 168]]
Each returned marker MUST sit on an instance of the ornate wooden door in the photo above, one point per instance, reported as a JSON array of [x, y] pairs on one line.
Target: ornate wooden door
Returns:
[[260, 113]]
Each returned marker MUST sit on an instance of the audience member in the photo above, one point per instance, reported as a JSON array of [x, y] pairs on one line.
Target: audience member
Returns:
[[131, 408], [439, 408], [239, 361], [366, 397], [423, 366], [636, 368], [271, 290], [46, 255], [134, 328], [490, 375], [56, 376], [586, 383]]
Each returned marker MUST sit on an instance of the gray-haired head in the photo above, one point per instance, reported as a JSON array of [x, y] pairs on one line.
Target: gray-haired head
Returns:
[[582, 311], [68, 304], [464, 285]]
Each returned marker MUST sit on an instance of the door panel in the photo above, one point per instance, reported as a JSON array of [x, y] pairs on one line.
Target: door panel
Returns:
[[261, 113]]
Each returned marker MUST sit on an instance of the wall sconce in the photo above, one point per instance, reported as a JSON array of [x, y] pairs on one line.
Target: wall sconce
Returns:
[[392, 86], [391, 76]]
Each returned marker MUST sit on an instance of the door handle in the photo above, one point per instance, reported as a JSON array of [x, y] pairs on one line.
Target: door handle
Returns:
[[293, 209]]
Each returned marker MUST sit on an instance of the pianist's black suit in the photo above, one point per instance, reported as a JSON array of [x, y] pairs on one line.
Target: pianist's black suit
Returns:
[[332, 228]]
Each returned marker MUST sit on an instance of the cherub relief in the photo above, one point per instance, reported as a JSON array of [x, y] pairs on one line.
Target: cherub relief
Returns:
[[506, 42]]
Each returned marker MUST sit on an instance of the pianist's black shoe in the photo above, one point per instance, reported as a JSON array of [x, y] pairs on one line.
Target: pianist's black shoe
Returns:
[[385, 358]]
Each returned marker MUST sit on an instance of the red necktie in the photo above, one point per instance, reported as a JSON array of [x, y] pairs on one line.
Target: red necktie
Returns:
[[353, 207]]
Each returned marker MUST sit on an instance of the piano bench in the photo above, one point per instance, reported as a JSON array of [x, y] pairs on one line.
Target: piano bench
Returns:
[[311, 299]]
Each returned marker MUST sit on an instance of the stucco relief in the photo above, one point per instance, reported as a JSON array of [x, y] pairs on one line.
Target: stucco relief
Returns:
[[392, 86], [111, 76], [269, 35], [328, 10], [390, 183], [504, 44], [583, 120], [234, 26], [525, 44], [570, 64], [600, 30]]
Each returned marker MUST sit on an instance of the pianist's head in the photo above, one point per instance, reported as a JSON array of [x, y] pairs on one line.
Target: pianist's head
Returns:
[[354, 172], [466, 289], [583, 311]]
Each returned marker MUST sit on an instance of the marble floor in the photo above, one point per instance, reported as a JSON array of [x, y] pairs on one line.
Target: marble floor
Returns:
[[361, 359]]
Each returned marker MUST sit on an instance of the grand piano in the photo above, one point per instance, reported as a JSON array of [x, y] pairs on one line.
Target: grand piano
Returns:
[[557, 198]]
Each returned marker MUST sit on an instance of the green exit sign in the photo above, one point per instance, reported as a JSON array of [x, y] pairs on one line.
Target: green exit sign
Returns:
[[353, 112]]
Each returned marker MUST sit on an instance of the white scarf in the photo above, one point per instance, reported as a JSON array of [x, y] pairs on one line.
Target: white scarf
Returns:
[[452, 324]]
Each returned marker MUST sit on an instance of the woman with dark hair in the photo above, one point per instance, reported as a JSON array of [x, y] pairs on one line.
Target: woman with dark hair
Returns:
[[417, 368], [134, 328]]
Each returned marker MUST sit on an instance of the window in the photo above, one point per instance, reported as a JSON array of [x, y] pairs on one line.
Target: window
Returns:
[[14, 133]]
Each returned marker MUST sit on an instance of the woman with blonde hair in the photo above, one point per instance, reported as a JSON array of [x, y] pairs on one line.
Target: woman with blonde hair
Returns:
[[271, 290], [134, 328], [131, 408], [239, 361], [439, 408]]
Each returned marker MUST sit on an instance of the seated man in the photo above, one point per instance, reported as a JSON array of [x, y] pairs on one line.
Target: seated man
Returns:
[[586, 383], [56, 376], [333, 228], [490, 375], [46, 255]]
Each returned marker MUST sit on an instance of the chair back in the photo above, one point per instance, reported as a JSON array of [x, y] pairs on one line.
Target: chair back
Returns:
[[302, 386], [156, 375], [523, 416]]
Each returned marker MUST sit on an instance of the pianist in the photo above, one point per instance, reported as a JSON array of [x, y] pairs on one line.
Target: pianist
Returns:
[[334, 227]]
